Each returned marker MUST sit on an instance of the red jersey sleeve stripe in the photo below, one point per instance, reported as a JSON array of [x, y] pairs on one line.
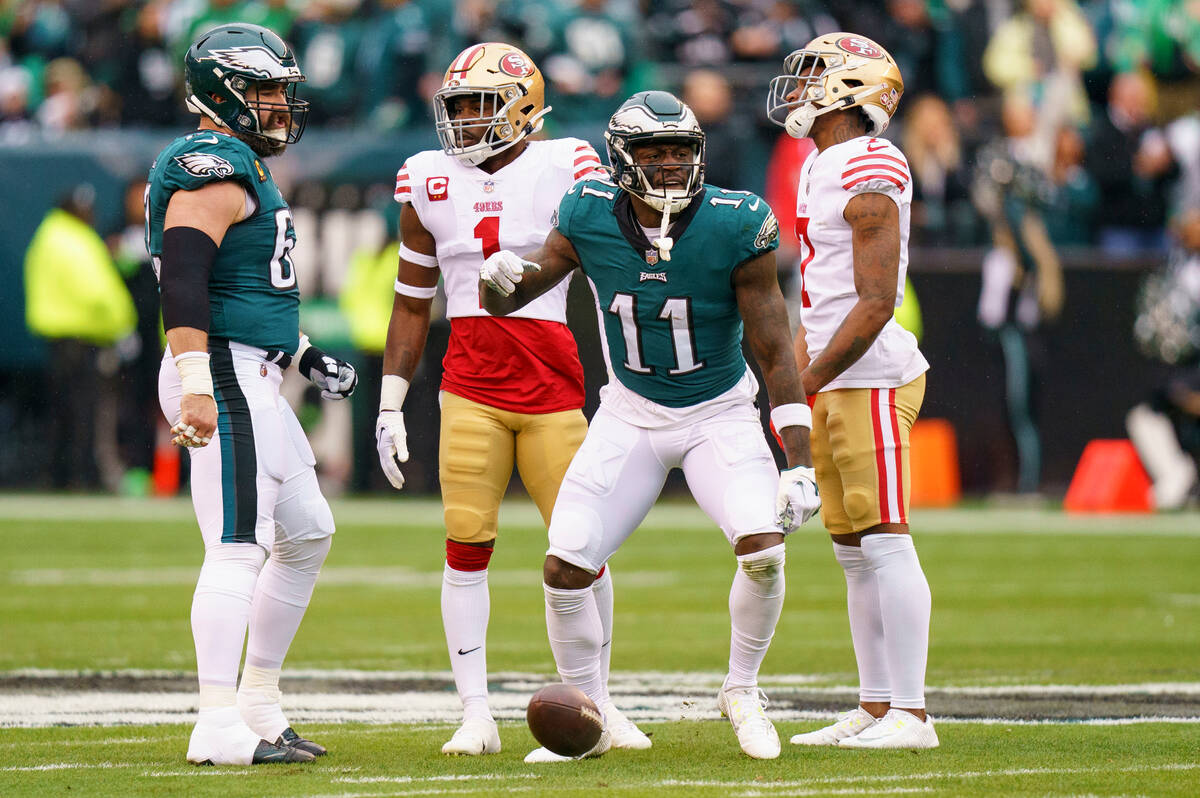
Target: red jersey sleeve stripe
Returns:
[[875, 167], [867, 178], [877, 156], [591, 156]]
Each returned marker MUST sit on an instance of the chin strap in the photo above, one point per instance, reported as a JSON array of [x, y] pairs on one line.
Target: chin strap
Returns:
[[664, 242]]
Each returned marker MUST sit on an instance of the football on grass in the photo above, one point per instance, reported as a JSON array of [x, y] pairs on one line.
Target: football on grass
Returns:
[[564, 720]]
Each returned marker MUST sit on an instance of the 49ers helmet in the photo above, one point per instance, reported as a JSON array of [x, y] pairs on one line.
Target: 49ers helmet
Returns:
[[225, 61], [511, 94], [835, 72]]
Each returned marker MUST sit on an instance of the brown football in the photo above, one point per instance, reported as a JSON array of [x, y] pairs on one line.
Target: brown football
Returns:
[[564, 720]]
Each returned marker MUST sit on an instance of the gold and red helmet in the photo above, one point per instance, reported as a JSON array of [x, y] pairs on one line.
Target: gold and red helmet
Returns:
[[510, 93], [835, 72]]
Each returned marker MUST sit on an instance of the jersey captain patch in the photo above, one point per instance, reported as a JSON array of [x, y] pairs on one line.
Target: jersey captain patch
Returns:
[[204, 164]]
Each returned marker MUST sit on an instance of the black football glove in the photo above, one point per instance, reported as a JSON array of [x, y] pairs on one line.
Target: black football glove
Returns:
[[336, 378]]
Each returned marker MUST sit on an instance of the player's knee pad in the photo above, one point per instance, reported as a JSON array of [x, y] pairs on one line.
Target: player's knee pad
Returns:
[[575, 535], [306, 556], [469, 525], [764, 567], [231, 569], [858, 501]]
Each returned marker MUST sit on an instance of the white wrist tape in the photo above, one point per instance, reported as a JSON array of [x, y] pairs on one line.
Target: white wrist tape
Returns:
[[300, 348], [794, 414], [416, 291], [194, 373], [392, 392], [412, 256]]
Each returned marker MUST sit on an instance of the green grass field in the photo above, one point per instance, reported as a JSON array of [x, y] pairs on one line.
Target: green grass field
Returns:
[[1043, 626]]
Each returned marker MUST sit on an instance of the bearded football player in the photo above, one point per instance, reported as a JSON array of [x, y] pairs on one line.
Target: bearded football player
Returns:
[[680, 270], [220, 237], [512, 388], [864, 370]]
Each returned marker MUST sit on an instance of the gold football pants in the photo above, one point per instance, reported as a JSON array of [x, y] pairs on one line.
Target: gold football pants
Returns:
[[479, 447], [860, 453]]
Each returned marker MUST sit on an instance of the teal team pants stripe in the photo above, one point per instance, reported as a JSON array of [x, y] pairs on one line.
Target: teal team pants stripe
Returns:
[[239, 466]]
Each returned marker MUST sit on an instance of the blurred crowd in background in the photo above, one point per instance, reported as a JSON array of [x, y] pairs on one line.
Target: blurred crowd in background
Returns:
[[1082, 99], [1031, 126]]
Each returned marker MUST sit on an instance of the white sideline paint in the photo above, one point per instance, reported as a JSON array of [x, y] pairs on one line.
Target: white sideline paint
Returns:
[[407, 512], [644, 697], [775, 787]]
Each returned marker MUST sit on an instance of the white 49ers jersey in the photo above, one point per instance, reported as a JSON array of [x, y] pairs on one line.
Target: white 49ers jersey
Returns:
[[828, 181], [472, 214]]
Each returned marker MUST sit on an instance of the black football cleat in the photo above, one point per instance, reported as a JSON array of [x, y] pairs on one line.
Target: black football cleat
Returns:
[[290, 739], [272, 753]]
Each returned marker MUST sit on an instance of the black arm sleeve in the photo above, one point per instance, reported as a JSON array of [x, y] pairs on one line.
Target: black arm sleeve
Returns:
[[187, 259]]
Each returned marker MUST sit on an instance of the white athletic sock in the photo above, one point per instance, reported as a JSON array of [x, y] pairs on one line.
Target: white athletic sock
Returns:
[[602, 589], [573, 624], [866, 624], [220, 612], [466, 605], [904, 603], [755, 602], [284, 589]]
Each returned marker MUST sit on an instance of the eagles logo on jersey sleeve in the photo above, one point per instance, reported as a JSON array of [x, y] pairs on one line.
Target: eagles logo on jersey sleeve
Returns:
[[875, 165], [207, 157]]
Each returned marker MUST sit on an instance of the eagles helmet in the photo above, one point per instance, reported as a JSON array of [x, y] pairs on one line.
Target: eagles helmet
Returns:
[[227, 60], [511, 94], [835, 72], [652, 117]]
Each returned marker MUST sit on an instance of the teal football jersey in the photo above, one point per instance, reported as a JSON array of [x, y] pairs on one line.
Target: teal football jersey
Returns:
[[252, 293], [673, 327]]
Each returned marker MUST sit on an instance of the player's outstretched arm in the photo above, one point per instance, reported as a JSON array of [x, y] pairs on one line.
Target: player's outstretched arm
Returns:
[[764, 316], [875, 224], [508, 282]]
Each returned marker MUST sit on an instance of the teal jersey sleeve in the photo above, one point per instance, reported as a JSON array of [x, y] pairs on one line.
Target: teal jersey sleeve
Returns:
[[746, 219], [587, 191], [198, 159]]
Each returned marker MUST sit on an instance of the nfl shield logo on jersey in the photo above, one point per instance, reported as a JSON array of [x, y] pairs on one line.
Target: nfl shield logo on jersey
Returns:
[[489, 186], [652, 256]]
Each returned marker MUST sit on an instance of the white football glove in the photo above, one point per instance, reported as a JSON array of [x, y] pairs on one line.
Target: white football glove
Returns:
[[798, 499], [392, 442], [502, 271]]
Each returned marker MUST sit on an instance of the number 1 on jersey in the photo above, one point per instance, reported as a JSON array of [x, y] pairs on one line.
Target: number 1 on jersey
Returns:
[[488, 233]]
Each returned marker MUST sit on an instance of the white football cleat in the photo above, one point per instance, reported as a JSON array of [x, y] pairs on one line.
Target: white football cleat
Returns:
[[896, 729], [220, 737], [474, 737], [848, 724], [744, 706], [539, 756], [625, 733]]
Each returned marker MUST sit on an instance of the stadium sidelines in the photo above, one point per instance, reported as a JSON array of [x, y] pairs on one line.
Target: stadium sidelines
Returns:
[[682, 513], [38, 698]]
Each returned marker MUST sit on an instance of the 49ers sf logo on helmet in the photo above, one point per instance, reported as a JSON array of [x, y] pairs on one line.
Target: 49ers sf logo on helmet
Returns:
[[516, 65], [860, 46]]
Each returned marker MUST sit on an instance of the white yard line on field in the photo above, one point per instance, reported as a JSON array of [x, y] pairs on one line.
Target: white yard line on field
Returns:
[[67, 766], [775, 787], [421, 779]]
